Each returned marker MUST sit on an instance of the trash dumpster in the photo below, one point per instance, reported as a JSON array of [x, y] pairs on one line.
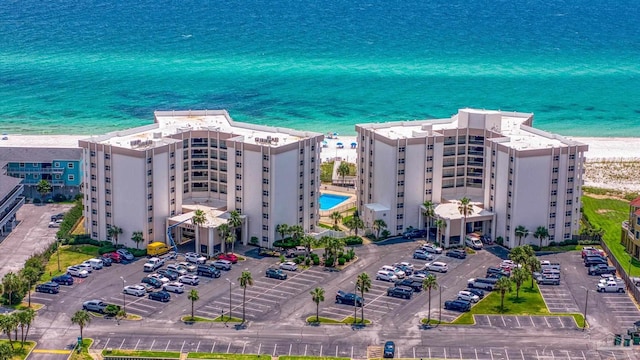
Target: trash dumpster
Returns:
[[636, 339], [617, 340], [627, 340]]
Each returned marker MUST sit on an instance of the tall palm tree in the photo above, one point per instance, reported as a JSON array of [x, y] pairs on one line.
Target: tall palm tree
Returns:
[[336, 217], [137, 237], [317, 295], [465, 208], [11, 284], [378, 225], [113, 233], [223, 231], [82, 319], [343, 170], [307, 241], [519, 276], [245, 280], [429, 283], [8, 323], [25, 319], [230, 239], [198, 219], [193, 297], [357, 224], [503, 286], [541, 233], [441, 224], [30, 275], [533, 264], [297, 232], [282, 229], [429, 212], [235, 224], [521, 232], [363, 284], [518, 255]]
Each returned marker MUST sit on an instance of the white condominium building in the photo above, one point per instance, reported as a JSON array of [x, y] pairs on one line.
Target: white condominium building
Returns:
[[513, 174], [139, 179]]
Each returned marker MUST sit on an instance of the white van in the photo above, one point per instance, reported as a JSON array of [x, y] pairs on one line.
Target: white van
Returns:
[[473, 242], [96, 264]]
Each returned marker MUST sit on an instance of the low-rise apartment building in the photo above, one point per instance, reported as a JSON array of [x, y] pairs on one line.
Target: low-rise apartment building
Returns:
[[11, 200], [513, 174], [631, 230], [145, 179]]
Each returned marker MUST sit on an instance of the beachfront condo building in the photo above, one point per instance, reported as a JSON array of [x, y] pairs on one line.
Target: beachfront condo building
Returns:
[[631, 230], [11, 200], [513, 174], [152, 178]]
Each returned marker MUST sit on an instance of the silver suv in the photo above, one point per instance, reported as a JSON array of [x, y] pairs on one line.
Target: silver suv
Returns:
[[221, 264]]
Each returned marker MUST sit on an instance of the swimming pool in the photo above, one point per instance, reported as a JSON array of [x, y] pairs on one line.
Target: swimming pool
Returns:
[[329, 201]]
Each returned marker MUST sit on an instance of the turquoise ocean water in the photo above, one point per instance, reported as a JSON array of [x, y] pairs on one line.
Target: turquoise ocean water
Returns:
[[91, 66]]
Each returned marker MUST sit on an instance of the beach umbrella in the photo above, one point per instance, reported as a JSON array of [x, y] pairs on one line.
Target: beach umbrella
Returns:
[[339, 144], [354, 144]]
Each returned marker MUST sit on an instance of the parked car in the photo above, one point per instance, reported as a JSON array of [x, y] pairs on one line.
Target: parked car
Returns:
[[275, 274], [600, 269], [457, 305], [162, 279], [406, 269], [208, 270], [414, 233], [412, 283], [106, 261], [611, 286], [95, 263], [548, 280], [54, 224], [422, 255], [431, 248], [177, 269], [77, 272], [296, 251], [478, 292], [594, 260], [189, 279], [497, 270], [148, 287], [221, 264], [160, 296], [403, 292], [57, 217], [457, 253], [473, 242], [169, 274], [152, 281], [590, 250], [389, 350], [85, 266], [95, 306], [468, 296], [349, 298], [289, 265], [136, 290], [229, 257], [399, 273], [482, 283], [64, 279], [385, 275], [114, 256], [186, 266], [437, 266], [195, 258], [175, 287], [48, 287], [125, 254]]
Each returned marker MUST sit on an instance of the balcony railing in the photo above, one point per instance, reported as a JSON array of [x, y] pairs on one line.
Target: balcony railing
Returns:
[[10, 211], [47, 170]]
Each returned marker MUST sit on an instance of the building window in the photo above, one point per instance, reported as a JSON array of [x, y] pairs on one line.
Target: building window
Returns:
[[265, 181], [555, 170], [150, 231], [94, 212], [399, 227], [265, 192], [430, 147], [93, 165], [554, 181], [149, 219], [70, 165], [107, 168], [94, 223], [93, 177], [265, 204], [107, 203], [553, 203], [572, 156], [265, 227], [149, 184], [238, 199], [569, 202], [570, 179], [265, 216], [552, 215], [509, 193], [551, 227], [511, 159], [400, 205], [572, 168], [265, 157], [149, 196], [300, 197], [567, 213], [429, 158], [401, 149], [238, 153], [107, 191], [510, 182], [93, 188], [569, 191], [429, 169], [238, 176], [400, 161], [238, 164], [401, 183], [556, 157], [149, 160], [173, 190], [554, 192], [150, 208], [301, 151], [311, 205], [172, 154], [71, 177], [173, 201], [265, 169], [93, 200], [401, 172], [509, 205], [401, 194], [567, 236], [238, 188]]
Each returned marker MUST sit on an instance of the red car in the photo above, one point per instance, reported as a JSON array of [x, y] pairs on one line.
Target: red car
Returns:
[[229, 257], [114, 256]]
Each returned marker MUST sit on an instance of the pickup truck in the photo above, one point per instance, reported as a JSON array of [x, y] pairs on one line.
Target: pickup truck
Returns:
[[600, 269], [153, 264], [611, 286], [546, 264]]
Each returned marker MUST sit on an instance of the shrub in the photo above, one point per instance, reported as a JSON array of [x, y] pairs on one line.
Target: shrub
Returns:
[[316, 261], [287, 243], [535, 247], [138, 252], [552, 243], [307, 261], [254, 240], [341, 261], [353, 240], [106, 249], [499, 240], [329, 261], [59, 198]]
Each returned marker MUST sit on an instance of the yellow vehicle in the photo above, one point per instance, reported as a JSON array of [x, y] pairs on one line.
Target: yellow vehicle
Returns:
[[157, 248]]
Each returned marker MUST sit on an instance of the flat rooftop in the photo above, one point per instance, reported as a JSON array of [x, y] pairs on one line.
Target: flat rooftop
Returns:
[[42, 141], [168, 123]]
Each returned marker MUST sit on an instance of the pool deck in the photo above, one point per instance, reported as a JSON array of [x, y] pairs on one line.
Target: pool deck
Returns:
[[345, 205]]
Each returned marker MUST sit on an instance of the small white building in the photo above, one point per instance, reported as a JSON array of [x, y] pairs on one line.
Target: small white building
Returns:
[[513, 174], [138, 178]]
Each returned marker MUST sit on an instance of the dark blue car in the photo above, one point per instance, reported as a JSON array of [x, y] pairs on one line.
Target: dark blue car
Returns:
[[457, 305], [64, 279], [160, 296], [389, 349]]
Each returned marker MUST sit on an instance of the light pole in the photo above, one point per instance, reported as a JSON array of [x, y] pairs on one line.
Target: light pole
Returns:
[[440, 310], [58, 252], [230, 283], [586, 303], [124, 301]]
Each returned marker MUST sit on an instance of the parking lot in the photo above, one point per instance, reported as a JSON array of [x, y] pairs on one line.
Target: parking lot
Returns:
[[514, 322], [558, 298]]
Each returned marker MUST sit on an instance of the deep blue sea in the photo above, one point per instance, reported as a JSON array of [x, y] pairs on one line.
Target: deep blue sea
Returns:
[[92, 66]]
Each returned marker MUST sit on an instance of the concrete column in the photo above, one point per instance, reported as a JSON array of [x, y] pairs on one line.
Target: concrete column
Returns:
[[245, 231], [210, 238]]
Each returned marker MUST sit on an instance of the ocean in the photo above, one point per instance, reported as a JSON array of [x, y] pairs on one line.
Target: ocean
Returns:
[[93, 66]]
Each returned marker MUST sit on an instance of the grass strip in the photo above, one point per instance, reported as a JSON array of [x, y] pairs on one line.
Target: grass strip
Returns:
[[84, 351], [142, 353], [203, 355]]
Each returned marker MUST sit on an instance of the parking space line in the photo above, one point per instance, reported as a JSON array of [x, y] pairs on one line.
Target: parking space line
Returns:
[[506, 353], [305, 349], [545, 319], [518, 321], [167, 348], [213, 346], [152, 343], [275, 346], [136, 347], [503, 323], [107, 343], [561, 323], [198, 347], [122, 343]]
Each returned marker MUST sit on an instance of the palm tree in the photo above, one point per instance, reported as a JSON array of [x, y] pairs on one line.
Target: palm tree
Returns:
[[137, 237], [113, 233], [193, 297], [334, 246], [235, 223], [6, 353], [429, 283], [43, 188], [30, 275], [307, 241], [230, 239], [8, 323], [245, 280], [343, 170], [378, 225], [24, 319], [297, 232], [357, 224], [519, 276], [11, 284], [465, 208], [441, 224], [521, 232], [518, 255], [363, 284], [198, 219], [82, 319], [429, 212], [336, 217], [223, 231], [282, 229], [533, 264], [503, 286], [317, 295], [541, 233]]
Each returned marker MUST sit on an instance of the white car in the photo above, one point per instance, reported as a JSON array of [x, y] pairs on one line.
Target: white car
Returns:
[[431, 248], [385, 275], [174, 287], [162, 279], [422, 255], [136, 290], [189, 279], [177, 268], [437, 266], [85, 266], [468, 296], [405, 263], [77, 272], [195, 258], [399, 273], [187, 266], [289, 265], [147, 287], [125, 254]]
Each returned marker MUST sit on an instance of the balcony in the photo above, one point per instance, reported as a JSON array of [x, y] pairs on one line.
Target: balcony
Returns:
[[44, 170], [11, 210]]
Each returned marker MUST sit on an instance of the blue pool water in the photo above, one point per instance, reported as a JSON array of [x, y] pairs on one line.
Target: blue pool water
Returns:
[[328, 201]]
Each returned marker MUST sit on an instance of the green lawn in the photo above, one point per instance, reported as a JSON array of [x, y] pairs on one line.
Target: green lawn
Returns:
[[141, 353], [84, 351], [609, 214], [18, 353], [69, 255], [201, 355]]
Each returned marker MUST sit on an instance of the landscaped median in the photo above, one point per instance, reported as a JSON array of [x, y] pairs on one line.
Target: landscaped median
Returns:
[[203, 355], [528, 303], [328, 321], [188, 318]]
